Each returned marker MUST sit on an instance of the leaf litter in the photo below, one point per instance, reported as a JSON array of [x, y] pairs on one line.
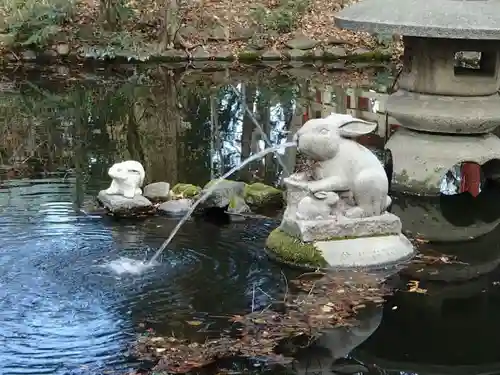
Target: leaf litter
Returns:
[[312, 303]]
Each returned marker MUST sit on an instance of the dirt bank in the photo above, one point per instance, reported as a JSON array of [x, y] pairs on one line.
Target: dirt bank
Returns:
[[247, 31]]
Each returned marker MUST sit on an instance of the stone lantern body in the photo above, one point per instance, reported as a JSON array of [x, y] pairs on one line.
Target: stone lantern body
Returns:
[[447, 101]]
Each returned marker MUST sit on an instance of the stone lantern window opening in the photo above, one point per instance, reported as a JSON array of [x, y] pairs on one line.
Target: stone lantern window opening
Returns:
[[478, 63]]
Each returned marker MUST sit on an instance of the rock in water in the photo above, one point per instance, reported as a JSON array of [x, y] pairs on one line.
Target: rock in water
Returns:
[[120, 206], [185, 191], [259, 195], [228, 194], [175, 207], [157, 191]]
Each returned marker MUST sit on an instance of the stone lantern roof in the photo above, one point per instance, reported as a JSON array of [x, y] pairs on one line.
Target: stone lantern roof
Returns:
[[450, 19]]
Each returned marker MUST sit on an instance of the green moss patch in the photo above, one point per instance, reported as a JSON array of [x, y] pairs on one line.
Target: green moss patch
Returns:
[[259, 194], [375, 55], [186, 190], [292, 250]]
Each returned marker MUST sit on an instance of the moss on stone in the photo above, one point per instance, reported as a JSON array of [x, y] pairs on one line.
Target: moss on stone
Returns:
[[186, 190], [249, 56], [292, 250], [259, 194], [375, 55]]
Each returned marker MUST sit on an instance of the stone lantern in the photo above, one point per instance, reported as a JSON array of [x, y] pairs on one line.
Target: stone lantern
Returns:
[[447, 102]]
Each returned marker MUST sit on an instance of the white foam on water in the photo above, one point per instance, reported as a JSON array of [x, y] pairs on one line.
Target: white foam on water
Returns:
[[130, 266]]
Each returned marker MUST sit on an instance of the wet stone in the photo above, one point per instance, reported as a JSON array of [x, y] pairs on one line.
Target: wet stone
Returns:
[[62, 49], [28, 55], [336, 66], [258, 42], [157, 191], [188, 32], [227, 194], [173, 55], [271, 54], [223, 55], [336, 40], [200, 53], [360, 51], [118, 205], [301, 41], [175, 207], [336, 52], [296, 54]]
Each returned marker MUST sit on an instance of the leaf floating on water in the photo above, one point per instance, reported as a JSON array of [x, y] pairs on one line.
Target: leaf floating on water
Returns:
[[413, 287], [194, 322], [160, 350]]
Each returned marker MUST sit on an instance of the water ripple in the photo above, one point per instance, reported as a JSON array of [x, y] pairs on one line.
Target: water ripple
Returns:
[[62, 312]]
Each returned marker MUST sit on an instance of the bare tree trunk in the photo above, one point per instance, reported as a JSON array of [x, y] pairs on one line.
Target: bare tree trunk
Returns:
[[171, 23]]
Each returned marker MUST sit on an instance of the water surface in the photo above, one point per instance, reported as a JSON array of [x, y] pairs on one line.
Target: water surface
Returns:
[[62, 312]]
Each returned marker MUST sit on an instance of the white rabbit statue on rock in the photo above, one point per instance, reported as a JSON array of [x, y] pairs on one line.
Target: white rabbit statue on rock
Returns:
[[342, 164], [128, 177]]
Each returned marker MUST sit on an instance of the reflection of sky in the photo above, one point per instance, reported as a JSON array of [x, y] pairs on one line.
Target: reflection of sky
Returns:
[[232, 146]]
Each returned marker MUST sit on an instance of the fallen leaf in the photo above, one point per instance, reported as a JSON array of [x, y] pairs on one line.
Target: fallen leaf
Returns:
[[194, 322]]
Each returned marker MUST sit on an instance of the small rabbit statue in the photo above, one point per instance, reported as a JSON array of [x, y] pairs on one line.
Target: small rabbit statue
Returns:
[[317, 207], [342, 164], [128, 176]]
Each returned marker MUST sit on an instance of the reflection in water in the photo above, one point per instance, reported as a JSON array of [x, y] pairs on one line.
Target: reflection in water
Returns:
[[461, 178], [62, 313], [450, 330], [337, 343]]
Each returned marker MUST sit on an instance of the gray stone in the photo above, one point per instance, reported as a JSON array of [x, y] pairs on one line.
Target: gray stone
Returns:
[[301, 41], [365, 252], [227, 193], [6, 39], [119, 205], [430, 67], [28, 55], [271, 54], [223, 55], [336, 40], [336, 52], [200, 53], [173, 55], [296, 54], [452, 19], [157, 191], [432, 157], [62, 49], [336, 66], [188, 32], [51, 54], [315, 230], [258, 42], [318, 53], [445, 114], [361, 51], [238, 206], [176, 206]]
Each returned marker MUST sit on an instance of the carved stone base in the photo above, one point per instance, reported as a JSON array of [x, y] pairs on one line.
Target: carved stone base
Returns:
[[366, 251], [334, 254], [319, 230]]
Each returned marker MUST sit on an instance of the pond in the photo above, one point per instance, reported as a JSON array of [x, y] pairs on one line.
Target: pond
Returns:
[[62, 312]]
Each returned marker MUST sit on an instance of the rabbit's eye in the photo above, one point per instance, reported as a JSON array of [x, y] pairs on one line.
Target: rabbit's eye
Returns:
[[323, 131]]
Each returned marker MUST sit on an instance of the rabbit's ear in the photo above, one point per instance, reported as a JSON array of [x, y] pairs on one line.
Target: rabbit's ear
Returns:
[[356, 128]]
